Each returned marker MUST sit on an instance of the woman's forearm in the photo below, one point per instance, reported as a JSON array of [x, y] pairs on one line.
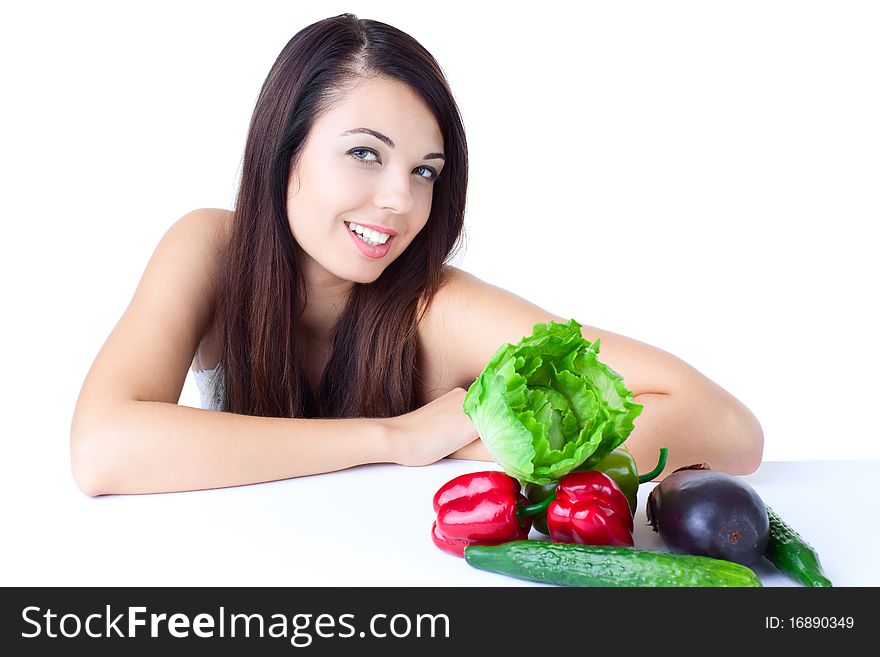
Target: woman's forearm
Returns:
[[716, 429], [152, 447]]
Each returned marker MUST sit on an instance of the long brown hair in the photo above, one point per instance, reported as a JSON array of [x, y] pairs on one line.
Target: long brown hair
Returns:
[[373, 369]]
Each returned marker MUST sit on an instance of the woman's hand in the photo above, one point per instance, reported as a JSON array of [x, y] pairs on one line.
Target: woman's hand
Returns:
[[431, 432]]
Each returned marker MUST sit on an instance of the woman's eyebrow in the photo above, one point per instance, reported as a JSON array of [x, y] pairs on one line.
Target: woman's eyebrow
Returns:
[[388, 141]]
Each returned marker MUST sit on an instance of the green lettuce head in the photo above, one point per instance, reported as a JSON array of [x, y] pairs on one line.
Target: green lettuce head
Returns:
[[546, 405]]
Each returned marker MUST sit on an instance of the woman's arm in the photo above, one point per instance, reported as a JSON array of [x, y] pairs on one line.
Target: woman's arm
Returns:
[[683, 410], [156, 447]]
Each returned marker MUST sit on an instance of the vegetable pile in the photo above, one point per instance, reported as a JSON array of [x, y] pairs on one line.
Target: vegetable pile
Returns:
[[555, 419]]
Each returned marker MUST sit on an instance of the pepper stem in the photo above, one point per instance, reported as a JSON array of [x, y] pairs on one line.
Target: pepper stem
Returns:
[[532, 509], [648, 476]]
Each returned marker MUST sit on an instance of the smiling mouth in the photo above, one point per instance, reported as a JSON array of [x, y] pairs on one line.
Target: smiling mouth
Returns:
[[371, 249], [368, 235]]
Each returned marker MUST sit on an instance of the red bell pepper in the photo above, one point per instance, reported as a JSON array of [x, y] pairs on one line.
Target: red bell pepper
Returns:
[[590, 509], [480, 508]]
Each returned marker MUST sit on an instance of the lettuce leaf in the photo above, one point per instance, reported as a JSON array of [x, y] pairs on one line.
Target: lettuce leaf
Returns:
[[547, 404]]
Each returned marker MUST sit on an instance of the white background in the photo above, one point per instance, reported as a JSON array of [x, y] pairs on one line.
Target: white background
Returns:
[[701, 176]]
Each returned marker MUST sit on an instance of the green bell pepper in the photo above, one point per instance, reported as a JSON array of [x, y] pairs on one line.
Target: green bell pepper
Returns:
[[619, 465]]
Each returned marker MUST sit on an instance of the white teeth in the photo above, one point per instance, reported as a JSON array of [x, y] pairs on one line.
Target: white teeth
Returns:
[[370, 236]]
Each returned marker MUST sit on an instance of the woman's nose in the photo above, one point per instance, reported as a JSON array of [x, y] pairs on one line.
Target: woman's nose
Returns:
[[394, 192]]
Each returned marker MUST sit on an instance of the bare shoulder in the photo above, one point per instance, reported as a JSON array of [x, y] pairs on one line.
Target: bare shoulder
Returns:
[[199, 238], [206, 229], [469, 319], [205, 234]]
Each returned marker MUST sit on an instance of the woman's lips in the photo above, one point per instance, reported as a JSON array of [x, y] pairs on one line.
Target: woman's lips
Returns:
[[375, 252]]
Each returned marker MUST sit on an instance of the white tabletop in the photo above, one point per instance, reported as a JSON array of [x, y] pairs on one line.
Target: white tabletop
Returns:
[[369, 526]]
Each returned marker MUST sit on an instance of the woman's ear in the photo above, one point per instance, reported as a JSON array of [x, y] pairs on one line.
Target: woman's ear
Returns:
[[293, 184]]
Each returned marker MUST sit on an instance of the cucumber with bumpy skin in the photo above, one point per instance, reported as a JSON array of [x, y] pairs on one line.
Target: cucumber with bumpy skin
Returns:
[[792, 554], [572, 564]]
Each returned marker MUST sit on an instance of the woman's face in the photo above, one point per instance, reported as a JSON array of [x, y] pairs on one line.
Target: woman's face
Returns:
[[369, 161]]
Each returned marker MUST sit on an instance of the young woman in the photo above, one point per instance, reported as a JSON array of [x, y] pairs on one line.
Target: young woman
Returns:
[[320, 317]]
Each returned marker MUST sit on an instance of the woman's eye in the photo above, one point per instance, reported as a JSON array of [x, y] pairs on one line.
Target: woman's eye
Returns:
[[429, 174], [364, 155]]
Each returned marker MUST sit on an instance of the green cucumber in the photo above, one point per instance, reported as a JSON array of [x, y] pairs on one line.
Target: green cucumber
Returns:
[[792, 554], [571, 564]]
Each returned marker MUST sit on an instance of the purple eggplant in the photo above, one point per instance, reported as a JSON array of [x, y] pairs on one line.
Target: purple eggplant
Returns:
[[699, 511]]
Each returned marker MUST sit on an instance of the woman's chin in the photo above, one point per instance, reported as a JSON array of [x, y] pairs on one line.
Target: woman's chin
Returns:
[[365, 278], [361, 275], [353, 272]]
